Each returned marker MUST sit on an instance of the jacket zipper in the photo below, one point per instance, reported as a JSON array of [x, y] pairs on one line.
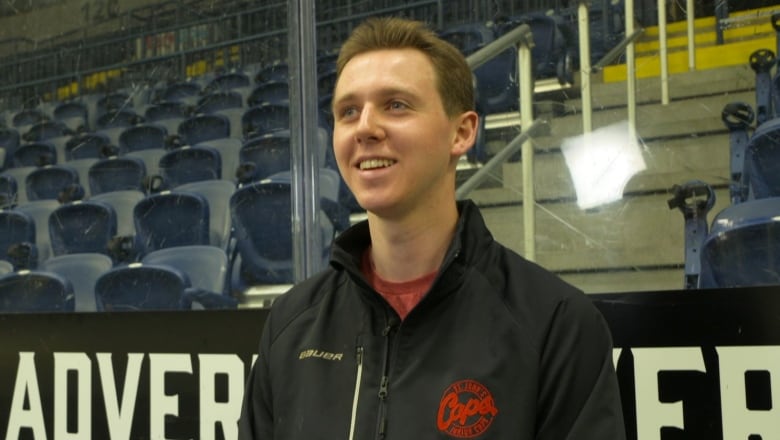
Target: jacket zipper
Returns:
[[383, 384], [358, 380]]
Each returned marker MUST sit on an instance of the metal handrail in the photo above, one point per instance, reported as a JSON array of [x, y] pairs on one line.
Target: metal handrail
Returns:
[[613, 53], [511, 148], [519, 35]]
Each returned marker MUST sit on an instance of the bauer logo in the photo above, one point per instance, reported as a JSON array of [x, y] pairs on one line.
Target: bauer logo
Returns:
[[466, 410]]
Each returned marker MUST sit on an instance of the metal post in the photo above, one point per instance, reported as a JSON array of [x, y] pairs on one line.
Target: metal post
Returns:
[[304, 162], [585, 68], [526, 75], [663, 52], [630, 72], [691, 15]]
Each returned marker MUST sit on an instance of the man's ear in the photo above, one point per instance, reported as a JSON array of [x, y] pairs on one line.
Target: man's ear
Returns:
[[465, 133]]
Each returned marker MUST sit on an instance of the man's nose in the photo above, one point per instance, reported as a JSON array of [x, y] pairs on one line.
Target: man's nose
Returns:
[[369, 127]]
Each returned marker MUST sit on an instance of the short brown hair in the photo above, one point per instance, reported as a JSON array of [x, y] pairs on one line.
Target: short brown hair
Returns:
[[453, 75]]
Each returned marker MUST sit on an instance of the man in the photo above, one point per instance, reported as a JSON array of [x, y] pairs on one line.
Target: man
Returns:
[[423, 326]]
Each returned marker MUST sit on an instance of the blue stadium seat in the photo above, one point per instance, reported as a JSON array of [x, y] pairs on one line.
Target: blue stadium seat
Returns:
[[9, 142], [9, 190], [497, 87], [82, 270], [203, 128], [20, 177], [49, 181], [26, 118], [205, 266], [186, 92], [269, 154], [141, 287], [171, 219], [35, 154], [39, 211], [261, 214], [219, 100], [273, 92], [117, 174], [87, 146], [74, 115], [228, 81], [113, 102], [217, 193], [82, 227], [167, 114], [742, 248], [35, 291], [46, 130], [82, 167], [762, 160], [190, 164], [265, 118], [15, 227], [278, 71], [123, 203], [142, 137]]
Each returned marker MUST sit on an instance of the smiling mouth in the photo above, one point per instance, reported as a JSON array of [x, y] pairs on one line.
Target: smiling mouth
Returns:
[[373, 164]]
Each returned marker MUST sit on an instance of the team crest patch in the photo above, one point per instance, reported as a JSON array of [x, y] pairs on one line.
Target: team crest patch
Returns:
[[466, 409]]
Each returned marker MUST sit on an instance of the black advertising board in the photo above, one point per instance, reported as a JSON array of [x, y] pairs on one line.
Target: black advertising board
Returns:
[[691, 365]]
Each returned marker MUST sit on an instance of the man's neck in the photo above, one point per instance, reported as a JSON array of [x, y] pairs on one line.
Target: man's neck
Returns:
[[415, 245]]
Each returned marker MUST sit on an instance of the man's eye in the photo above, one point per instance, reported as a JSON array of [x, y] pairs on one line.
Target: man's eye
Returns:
[[397, 105], [348, 112]]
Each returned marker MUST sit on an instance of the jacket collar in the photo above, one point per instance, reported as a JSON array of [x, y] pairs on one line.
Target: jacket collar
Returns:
[[470, 240]]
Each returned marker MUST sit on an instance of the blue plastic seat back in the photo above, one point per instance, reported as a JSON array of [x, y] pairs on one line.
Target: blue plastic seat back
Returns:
[[274, 92], [497, 85], [205, 266], [219, 100], [70, 110], [46, 130], [762, 160], [15, 227], [35, 291], [28, 117], [190, 164], [228, 81], [35, 154], [141, 287], [182, 92], [269, 153], [217, 193], [87, 146], [265, 118], [46, 183], [262, 223], [272, 72], [203, 128], [142, 137], [171, 219], [166, 110], [123, 203], [82, 270], [113, 102], [742, 248], [117, 174], [82, 227], [9, 141], [9, 191], [118, 118]]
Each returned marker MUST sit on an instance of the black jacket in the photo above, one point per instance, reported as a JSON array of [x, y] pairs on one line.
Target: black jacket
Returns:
[[499, 348]]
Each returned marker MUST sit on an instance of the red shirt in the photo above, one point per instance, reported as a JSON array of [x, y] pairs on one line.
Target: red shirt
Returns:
[[402, 296]]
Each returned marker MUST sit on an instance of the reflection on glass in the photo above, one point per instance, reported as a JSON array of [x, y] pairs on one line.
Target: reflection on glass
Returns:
[[89, 92]]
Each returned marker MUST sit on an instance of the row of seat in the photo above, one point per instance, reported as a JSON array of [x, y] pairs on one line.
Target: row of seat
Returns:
[[740, 246]]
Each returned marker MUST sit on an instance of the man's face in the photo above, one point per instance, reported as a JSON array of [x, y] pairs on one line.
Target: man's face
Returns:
[[393, 141]]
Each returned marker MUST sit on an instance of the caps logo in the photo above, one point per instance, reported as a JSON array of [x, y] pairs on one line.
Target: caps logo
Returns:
[[466, 409]]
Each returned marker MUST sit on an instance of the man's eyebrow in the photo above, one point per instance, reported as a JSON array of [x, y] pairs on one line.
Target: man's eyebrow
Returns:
[[382, 93]]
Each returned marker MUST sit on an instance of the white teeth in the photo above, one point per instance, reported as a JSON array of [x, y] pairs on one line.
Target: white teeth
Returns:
[[375, 163]]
